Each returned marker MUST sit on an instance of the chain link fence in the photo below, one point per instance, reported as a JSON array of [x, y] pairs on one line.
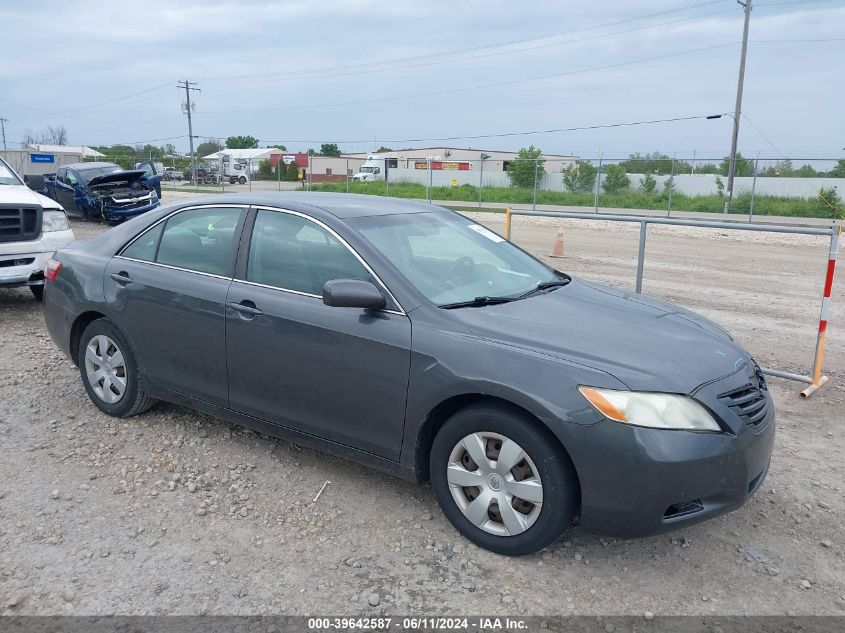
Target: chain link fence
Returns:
[[762, 185]]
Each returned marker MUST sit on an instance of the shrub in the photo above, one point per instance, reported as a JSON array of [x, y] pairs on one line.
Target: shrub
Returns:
[[615, 180], [648, 184], [580, 178], [527, 167]]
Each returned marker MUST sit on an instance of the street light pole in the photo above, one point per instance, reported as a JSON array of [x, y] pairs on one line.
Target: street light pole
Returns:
[[738, 108]]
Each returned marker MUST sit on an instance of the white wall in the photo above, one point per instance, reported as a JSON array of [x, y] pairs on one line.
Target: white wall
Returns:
[[689, 184]]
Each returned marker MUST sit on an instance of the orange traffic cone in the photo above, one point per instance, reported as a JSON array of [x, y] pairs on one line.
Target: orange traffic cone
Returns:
[[557, 249]]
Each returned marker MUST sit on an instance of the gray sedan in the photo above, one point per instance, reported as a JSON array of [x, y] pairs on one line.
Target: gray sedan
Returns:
[[408, 337]]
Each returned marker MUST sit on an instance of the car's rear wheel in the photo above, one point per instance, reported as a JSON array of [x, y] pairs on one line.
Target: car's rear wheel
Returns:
[[502, 481], [109, 371]]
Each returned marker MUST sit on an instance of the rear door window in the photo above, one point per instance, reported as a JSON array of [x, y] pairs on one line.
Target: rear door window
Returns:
[[202, 240]]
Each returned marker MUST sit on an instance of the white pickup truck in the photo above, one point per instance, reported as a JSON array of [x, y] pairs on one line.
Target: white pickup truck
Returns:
[[32, 228]]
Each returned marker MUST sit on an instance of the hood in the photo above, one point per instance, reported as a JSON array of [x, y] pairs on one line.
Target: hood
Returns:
[[23, 195], [123, 177], [649, 345]]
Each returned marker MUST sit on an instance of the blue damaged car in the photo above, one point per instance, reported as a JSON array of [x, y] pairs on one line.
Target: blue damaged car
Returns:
[[103, 191]]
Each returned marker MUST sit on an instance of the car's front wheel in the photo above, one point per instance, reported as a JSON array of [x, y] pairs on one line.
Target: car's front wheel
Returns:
[[502, 481], [109, 371]]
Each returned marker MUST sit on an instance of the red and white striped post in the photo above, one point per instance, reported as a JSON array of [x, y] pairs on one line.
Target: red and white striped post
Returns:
[[818, 379]]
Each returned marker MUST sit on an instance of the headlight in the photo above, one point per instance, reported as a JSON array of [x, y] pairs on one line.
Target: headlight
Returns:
[[655, 410], [54, 220]]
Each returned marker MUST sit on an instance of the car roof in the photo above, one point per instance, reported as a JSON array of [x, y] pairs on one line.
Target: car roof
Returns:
[[340, 205]]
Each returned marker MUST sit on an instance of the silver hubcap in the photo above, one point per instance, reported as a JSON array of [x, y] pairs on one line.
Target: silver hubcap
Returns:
[[105, 368], [495, 484]]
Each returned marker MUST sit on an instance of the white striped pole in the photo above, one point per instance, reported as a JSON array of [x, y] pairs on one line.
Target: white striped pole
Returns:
[[818, 361]]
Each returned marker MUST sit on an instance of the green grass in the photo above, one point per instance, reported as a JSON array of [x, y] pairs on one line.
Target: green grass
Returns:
[[763, 205]]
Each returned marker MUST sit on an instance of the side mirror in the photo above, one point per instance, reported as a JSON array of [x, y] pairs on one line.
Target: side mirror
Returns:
[[351, 293], [34, 182]]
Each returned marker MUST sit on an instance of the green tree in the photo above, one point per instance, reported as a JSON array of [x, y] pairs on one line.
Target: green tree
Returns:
[[830, 204], [329, 149], [383, 149], [744, 166], [648, 184], [292, 172], [210, 146], [707, 168], [720, 187], [780, 168], [580, 178], [312, 151], [806, 171], [839, 170], [264, 168], [615, 179], [281, 147], [529, 164], [241, 142], [669, 186]]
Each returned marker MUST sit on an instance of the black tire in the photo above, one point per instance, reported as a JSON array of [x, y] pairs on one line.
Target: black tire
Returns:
[[134, 399], [242, 180], [38, 292], [561, 491]]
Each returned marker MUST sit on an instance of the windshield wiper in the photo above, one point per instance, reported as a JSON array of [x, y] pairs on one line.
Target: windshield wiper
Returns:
[[545, 285], [477, 302]]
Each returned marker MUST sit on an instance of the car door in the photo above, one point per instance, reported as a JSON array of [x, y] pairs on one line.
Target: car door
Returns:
[[167, 291], [151, 177], [64, 190], [337, 373]]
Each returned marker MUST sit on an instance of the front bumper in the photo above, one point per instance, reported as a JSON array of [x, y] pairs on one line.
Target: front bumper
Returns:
[[121, 214], [638, 482], [23, 263]]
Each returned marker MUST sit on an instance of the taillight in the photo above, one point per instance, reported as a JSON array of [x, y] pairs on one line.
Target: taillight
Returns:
[[53, 268]]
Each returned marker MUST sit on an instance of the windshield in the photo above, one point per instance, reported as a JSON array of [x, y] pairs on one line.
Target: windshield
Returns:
[[88, 175], [450, 259], [7, 176], [368, 170]]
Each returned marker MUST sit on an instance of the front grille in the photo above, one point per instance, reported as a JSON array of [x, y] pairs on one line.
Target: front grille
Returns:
[[18, 224], [748, 402]]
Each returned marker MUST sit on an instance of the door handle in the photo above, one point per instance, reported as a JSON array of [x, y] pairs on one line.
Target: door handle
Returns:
[[122, 278], [246, 308]]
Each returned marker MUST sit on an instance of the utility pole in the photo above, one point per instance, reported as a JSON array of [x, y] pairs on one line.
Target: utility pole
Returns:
[[738, 109], [187, 86], [3, 127]]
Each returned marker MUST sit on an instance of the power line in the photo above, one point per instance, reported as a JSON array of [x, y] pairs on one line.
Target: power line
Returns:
[[347, 73], [115, 100], [482, 86], [331, 69], [761, 133], [498, 134]]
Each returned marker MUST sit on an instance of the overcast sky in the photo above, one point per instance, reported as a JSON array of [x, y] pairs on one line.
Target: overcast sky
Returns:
[[373, 72]]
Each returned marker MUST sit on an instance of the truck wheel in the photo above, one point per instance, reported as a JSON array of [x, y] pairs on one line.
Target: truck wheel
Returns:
[[242, 180], [38, 292]]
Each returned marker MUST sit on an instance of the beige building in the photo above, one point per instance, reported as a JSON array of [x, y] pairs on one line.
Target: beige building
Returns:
[[462, 159]]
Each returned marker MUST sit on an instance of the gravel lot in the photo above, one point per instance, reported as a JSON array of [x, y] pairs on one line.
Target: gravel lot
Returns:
[[174, 512]]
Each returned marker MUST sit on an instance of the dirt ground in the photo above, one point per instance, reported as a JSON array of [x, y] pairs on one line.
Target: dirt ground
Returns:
[[174, 512]]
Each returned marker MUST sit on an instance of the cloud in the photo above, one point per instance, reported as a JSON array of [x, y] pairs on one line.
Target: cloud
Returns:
[[73, 58]]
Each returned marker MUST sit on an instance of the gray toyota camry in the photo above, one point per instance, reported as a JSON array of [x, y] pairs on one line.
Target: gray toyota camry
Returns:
[[410, 338]]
